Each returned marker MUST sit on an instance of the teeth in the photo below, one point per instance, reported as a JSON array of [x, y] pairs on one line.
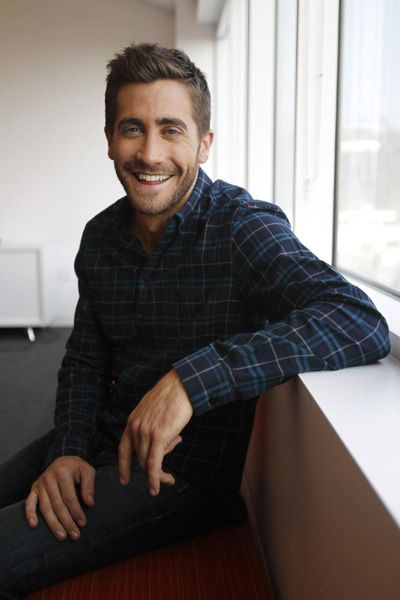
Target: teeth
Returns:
[[145, 177]]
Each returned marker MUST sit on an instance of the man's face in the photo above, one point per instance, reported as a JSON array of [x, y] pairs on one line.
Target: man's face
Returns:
[[155, 145]]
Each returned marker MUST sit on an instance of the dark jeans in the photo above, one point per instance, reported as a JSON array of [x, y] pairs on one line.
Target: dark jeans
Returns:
[[124, 521]]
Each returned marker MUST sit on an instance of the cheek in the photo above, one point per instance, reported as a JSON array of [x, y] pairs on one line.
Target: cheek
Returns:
[[123, 149], [186, 157]]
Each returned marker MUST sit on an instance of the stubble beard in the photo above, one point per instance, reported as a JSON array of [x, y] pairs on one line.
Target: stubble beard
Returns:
[[148, 206]]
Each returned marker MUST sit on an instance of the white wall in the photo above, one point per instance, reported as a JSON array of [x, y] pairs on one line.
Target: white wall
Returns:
[[55, 173]]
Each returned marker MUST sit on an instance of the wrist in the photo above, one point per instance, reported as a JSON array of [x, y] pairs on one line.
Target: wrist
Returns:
[[182, 393]]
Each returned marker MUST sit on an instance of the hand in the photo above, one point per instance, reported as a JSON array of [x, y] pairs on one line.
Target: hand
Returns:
[[153, 430], [54, 491]]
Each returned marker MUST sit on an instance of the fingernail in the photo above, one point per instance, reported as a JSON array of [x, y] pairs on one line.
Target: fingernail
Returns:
[[60, 534], [32, 522], [81, 523], [74, 535]]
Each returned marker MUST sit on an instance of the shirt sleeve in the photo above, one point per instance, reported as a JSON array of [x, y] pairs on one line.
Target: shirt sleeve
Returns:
[[320, 321], [83, 379]]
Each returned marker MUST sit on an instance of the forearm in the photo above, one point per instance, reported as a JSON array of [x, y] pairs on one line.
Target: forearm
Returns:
[[326, 335], [83, 380], [80, 394], [314, 319]]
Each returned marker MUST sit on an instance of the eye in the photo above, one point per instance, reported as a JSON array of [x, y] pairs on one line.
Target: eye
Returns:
[[131, 130], [172, 131]]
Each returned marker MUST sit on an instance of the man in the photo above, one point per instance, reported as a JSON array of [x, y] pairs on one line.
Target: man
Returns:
[[194, 298]]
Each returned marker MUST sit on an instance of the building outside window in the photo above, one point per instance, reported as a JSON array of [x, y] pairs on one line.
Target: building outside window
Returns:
[[368, 149]]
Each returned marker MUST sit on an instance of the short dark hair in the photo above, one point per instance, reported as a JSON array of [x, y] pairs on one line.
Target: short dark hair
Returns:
[[144, 63]]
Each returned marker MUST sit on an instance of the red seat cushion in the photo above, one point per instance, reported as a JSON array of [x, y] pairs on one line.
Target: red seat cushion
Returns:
[[224, 565]]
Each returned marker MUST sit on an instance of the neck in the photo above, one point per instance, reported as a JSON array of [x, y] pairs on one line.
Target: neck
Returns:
[[149, 230]]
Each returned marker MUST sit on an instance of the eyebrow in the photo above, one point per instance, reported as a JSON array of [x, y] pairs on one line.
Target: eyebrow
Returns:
[[130, 121], [174, 121]]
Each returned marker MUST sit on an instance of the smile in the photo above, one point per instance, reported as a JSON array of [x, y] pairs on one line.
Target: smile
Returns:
[[151, 178]]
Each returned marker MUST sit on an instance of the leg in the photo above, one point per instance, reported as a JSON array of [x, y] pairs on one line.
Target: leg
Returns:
[[16, 477], [125, 521], [19, 472]]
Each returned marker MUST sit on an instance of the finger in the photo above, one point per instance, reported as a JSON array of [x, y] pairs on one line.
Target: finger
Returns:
[[59, 508], [154, 467], [30, 508], [142, 448], [173, 444], [125, 450], [88, 475], [70, 501], [49, 516], [167, 478]]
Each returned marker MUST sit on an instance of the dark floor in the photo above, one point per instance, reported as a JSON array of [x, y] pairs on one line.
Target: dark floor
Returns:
[[28, 382]]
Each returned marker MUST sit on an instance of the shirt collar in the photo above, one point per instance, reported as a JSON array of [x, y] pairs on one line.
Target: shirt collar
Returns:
[[124, 212], [203, 184]]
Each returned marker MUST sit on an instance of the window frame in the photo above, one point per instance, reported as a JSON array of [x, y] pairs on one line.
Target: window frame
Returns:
[[386, 301], [305, 50]]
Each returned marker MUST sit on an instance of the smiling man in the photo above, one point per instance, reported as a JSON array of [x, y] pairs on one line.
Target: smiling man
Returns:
[[194, 299], [156, 152]]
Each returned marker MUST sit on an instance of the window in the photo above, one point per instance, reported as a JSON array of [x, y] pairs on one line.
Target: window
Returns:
[[306, 87], [230, 98], [368, 150]]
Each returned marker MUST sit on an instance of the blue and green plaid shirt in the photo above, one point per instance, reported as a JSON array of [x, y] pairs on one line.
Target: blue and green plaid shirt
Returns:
[[230, 298]]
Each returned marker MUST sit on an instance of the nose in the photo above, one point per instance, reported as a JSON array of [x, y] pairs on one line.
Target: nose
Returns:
[[151, 150]]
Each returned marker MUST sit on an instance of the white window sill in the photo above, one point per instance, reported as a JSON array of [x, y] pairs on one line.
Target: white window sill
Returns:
[[362, 404]]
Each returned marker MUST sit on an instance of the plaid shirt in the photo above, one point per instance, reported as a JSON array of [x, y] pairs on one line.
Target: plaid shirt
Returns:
[[230, 298]]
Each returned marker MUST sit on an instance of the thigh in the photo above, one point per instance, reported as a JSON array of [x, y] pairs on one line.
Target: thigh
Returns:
[[19, 472], [124, 521]]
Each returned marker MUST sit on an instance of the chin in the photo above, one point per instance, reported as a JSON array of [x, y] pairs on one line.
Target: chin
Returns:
[[152, 208]]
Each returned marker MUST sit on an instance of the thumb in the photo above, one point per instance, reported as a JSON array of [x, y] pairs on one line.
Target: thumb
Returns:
[[88, 474]]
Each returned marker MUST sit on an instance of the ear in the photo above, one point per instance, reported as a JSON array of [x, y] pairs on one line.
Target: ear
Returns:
[[205, 146], [110, 143]]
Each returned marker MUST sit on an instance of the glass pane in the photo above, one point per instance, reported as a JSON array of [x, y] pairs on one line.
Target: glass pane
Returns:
[[368, 175]]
